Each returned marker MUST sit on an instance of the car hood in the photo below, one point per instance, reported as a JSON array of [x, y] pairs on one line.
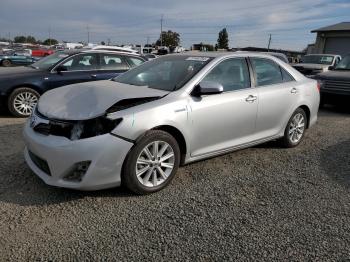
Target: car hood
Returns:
[[338, 75], [311, 66], [89, 100], [8, 72]]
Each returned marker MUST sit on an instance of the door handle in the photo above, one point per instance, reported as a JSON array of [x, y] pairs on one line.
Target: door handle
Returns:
[[93, 76], [294, 90], [251, 98]]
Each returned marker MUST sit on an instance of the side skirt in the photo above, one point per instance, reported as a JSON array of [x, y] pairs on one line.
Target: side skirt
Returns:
[[190, 159]]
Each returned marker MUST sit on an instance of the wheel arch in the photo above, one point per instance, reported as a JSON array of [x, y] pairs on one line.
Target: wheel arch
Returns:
[[307, 112], [34, 87], [179, 137]]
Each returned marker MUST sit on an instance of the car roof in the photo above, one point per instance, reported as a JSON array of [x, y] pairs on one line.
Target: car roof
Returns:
[[222, 54], [76, 51], [322, 55]]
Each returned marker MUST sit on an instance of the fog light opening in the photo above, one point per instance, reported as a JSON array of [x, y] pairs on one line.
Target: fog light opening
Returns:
[[78, 172]]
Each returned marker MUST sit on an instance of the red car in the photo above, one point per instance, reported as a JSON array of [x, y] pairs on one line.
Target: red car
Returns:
[[42, 52]]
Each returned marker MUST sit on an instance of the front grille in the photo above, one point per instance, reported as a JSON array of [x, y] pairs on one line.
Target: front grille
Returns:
[[40, 163], [337, 85]]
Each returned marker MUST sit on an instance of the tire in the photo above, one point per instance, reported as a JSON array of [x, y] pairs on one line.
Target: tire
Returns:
[[6, 63], [27, 96], [292, 140], [148, 182]]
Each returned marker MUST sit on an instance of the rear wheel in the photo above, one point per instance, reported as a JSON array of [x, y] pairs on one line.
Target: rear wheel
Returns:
[[152, 163], [22, 100], [6, 63], [295, 129]]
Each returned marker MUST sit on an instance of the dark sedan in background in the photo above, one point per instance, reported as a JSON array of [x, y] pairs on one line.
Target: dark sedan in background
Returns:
[[335, 83], [21, 87]]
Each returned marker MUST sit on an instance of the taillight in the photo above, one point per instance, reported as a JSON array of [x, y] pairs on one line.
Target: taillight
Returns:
[[318, 86]]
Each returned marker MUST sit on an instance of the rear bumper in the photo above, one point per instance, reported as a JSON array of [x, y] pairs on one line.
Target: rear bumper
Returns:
[[106, 153]]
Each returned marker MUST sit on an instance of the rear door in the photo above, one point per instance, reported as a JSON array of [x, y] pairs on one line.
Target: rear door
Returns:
[[76, 69], [225, 120], [278, 96]]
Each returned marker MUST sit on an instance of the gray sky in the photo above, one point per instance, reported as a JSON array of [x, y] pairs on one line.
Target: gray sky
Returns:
[[248, 22]]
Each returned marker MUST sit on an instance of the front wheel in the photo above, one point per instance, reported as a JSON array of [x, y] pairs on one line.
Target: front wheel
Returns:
[[152, 163], [295, 129], [22, 100]]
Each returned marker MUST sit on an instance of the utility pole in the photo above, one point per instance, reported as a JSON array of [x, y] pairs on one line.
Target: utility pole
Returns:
[[88, 34], [161, 31], [50, 35], [10, 36], [147, 40], [268, 46]]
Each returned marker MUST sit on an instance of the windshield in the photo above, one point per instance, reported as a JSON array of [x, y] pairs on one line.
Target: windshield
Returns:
[[344, 64], [168, 73], [49, 61], [317, 59]]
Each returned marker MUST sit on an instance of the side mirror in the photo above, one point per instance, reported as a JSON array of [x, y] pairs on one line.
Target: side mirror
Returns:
[[208, 88], [61, 68], [331, 68]]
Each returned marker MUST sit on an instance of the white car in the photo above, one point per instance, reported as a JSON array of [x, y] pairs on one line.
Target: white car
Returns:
[[317, 63], [137, 128]]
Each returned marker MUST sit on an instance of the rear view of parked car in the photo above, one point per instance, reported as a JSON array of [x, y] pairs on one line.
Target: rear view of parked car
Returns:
[[21, 87], [139, 127]]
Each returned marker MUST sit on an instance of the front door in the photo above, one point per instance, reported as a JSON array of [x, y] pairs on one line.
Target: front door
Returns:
[[225, 120], [77, 69]]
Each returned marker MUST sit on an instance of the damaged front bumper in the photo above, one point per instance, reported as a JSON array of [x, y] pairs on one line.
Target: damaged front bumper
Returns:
[[57, 160]]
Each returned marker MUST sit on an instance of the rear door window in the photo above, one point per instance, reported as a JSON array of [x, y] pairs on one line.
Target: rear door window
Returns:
[[286, 76], [113, 62], [267, 72], [134, 61]]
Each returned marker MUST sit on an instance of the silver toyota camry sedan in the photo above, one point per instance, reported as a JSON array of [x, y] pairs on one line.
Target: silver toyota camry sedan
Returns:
[[137, 128]]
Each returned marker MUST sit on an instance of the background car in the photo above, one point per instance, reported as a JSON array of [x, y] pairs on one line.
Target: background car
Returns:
[[137, 128], [281, 56], [21, 87], [316, 63], [150, 56], [335, 83], [16, 58]]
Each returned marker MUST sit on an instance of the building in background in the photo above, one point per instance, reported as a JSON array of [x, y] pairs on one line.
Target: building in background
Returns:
[[333, 39]]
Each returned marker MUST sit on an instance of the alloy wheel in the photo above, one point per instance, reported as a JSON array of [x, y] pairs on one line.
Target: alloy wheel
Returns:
[[24, 103], [296, 128], [155, 164]]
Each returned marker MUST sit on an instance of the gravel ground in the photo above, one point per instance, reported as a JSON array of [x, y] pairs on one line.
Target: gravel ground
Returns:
[[263, 203]]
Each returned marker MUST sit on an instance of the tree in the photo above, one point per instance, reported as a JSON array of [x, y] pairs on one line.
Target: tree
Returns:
[[170, 38], [223, 39], [50, 41], [31, 39], [23, 39], [103, 43], [20, 39]]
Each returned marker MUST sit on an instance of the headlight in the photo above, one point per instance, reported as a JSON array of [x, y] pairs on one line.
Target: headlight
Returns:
[[75, 130]]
